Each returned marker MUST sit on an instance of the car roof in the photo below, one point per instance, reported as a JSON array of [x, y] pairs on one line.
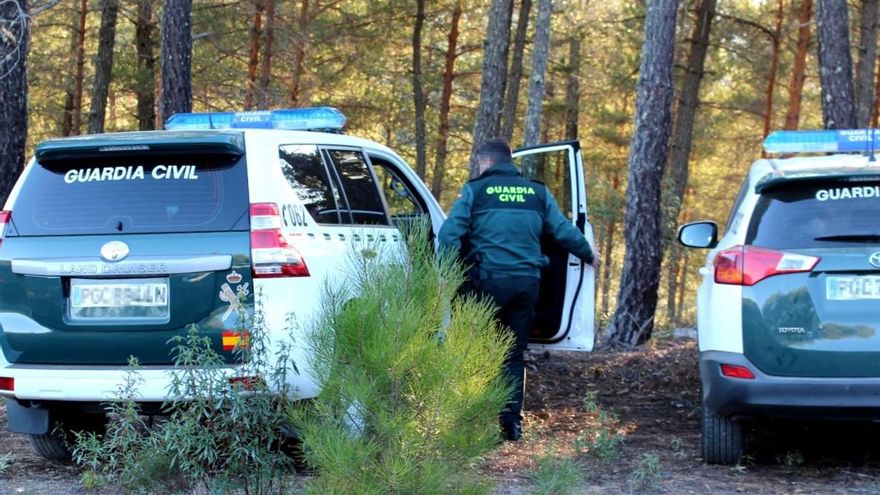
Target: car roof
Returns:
[[232, 138], [767, 173]]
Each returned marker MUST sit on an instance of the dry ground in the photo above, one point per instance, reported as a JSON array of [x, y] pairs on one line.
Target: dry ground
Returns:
[[651, 397]]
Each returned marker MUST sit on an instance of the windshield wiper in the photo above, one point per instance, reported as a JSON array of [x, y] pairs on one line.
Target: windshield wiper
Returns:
[[850, 238]]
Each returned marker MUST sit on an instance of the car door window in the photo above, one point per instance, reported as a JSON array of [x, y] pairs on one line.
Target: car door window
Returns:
[[552, 169], [308, 176], [358, 187]]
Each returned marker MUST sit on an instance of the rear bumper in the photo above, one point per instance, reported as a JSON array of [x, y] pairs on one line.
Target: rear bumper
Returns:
[[85, 383], [785, 397]]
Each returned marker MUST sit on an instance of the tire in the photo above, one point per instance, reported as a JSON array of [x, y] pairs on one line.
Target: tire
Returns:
[[723, 439], [51, 446]]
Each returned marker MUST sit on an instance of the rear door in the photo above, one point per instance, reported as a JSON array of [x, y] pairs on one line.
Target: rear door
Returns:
[[822, 320], [117, 244], [565, 313]]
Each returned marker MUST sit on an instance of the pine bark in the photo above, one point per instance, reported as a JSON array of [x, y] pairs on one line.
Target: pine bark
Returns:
[[263, 95], [835, 65], [253, 55], [514, 78], [685, 118], [867, 49], [537, 84], [445, 101], [13, 93], [176, 57], [495, 51], [774, 66], [573, 89], [299, 62], [796, 87], [72, 98], [146, 63], [103, 66], [875, 115], [419, 89], [633, 319]]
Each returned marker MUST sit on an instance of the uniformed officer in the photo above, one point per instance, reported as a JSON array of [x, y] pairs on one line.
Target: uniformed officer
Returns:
[[498, 221]]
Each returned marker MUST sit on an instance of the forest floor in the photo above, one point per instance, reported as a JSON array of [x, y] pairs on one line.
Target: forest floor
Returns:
[[606, 423]]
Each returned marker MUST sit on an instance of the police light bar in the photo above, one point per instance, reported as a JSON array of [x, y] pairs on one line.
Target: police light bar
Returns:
[[325, 119], [840, 141]]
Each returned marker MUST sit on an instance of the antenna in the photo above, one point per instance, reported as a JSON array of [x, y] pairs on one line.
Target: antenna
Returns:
[[210, 122], [871, 157]]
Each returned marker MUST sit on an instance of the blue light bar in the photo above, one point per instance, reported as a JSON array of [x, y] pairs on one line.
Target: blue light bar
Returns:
[[324, 119], [841, 141]]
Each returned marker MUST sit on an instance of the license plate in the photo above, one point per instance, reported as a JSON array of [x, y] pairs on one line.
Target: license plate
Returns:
[[142, 298], [852, 288]]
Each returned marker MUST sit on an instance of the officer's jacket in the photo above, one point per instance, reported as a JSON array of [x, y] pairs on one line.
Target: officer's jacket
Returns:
[[502, 216]]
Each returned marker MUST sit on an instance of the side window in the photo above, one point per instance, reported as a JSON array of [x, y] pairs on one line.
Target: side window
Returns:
[[402, 202], [359, 187], [308, 177], [735, 218]]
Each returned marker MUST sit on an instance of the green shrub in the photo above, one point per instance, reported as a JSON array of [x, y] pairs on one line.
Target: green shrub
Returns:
[[410, 377], [222, 435], [5, 461], [556, 476], [647, 475]]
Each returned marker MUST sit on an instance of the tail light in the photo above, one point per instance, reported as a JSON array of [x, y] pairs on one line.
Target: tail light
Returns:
[[5, 217], [7, 384], [272, 255], [748, 265], [733, 371]]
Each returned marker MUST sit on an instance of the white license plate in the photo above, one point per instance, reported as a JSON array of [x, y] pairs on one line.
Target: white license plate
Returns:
[[129, 294], [852, 288]]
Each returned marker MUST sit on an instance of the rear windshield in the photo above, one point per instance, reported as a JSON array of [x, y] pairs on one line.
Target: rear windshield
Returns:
[[133, 194], [817, 214]]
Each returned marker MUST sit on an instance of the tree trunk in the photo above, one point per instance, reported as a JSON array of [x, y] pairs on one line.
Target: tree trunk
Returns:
[[103, 65], [176, 58], [537, 85], [673, 267], [418, 89], [685, 117], [633, 320], [266, 60], [445, 99], [253, 56], [608, 250], [13, 93], [494, 71], [573, 89], [774, 65], [299, 62], [511, 98], [72, 104], [835, 65], [146, 61], [865, 66], [876, 113], [682, 285], [796, 87]]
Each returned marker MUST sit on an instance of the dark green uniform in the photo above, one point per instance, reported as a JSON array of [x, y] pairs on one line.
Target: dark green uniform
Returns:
[[500, 218]]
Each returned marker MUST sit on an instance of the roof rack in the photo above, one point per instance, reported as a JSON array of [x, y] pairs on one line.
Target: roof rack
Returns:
[[834, 141], [321, 119]]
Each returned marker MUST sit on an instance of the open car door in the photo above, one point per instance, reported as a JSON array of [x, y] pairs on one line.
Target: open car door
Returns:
[[565, 313]]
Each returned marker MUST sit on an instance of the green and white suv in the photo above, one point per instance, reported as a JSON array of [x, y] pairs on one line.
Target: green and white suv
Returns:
[[788, 312], [113, 244]]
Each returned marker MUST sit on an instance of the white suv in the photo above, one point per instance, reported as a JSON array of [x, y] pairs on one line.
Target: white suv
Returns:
[[788, 312], [114, 244]]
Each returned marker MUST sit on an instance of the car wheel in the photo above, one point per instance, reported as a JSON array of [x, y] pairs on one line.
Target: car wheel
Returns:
[[723, 438], [51, 446]]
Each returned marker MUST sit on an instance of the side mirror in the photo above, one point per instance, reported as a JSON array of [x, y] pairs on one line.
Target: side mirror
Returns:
[[699, 234]]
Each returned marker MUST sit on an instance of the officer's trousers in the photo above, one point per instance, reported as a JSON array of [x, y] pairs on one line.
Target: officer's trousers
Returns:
[[515, 298]]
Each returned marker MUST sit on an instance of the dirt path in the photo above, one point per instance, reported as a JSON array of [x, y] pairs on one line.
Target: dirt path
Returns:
[[650, 398]]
